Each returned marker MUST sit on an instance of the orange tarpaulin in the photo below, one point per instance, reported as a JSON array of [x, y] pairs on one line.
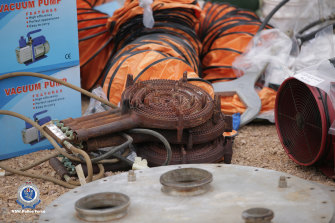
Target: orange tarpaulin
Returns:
[[95, 46]]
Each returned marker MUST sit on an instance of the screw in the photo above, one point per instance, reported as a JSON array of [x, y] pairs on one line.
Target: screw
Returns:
[[131, 176], [282, 182]]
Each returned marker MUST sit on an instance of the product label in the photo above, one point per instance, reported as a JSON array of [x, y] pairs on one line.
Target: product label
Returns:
[[309, 79], [38, 35]]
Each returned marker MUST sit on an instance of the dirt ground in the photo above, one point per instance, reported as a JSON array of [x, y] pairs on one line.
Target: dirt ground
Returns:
[[256, 145]]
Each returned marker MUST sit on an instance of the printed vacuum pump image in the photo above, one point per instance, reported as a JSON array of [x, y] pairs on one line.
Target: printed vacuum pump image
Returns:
[[32, 50], [30, 134]]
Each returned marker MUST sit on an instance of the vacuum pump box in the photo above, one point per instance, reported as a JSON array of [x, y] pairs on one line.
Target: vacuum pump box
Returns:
[[38, 36]]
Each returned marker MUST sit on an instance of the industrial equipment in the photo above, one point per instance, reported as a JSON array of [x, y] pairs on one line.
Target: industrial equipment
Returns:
[[183, 114], [33, 49], [304, 115], [31, 135], [196, 193]]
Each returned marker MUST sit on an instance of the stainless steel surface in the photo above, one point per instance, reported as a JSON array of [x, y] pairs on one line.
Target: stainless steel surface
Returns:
[[100, 207], [186, 181], [233, 190]]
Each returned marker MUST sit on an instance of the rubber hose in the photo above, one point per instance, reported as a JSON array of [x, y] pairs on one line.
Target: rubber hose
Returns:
[[309, 36], [269, 16], [111, 161], [51, 179], [115, 149], [46, 158], [317, 22], [160, 137], [86, 157]]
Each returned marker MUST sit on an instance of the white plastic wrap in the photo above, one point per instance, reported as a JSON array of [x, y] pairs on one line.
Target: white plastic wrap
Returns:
[[148, 19], [322, 47], [96, 106], [296, 14], [272, 49], [320, 75]]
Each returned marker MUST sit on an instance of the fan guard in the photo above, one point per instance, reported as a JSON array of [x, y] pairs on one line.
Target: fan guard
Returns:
[[303, 116]]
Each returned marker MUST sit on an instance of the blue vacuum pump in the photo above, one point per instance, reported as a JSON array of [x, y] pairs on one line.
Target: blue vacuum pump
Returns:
[[32, 50]]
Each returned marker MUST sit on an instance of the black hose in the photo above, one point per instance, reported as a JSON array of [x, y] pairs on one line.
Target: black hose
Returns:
[[269, 16], [160, 137], [306, 37], [114, 149], [317, 22]]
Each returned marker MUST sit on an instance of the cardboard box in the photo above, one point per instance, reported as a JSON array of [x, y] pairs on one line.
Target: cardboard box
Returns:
[[37, 36]]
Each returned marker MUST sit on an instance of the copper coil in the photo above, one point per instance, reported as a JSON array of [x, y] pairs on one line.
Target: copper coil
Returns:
[[211, 152], [167, 104]]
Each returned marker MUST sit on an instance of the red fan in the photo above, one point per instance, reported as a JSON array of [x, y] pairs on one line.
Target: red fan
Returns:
[[303, 116]]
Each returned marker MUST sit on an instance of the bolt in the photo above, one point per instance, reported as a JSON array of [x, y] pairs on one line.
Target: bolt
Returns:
[[282, 182], [131, 176], [257, 215]]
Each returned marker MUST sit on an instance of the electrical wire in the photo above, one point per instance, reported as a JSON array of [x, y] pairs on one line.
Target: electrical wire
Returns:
[[39, 128], [86, 157], [60, 151], [111, 161], [52, 179], [51, 140], [114, 149], [129, 162], [38, 162], [160, 137]]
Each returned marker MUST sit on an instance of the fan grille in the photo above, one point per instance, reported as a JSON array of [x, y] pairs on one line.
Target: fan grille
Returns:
[[299, 122]]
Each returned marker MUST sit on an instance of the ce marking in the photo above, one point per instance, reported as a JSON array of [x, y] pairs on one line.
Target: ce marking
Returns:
[[68, 56]]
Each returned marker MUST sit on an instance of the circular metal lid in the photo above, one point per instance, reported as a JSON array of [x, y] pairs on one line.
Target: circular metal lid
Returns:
[[102, 206], [233, 190], [186, 181]]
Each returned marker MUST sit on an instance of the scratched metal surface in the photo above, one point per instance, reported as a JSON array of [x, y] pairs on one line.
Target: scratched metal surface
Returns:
[[233, 189]]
